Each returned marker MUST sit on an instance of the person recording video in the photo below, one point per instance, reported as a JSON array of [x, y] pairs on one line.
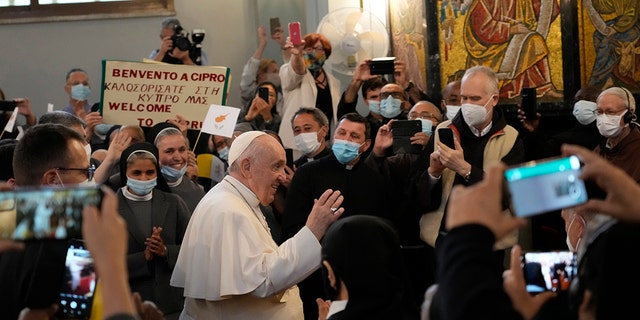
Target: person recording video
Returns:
[[175, 46]]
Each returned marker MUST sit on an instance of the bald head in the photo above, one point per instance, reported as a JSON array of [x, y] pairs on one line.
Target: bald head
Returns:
[[425, 110], [451, 93]]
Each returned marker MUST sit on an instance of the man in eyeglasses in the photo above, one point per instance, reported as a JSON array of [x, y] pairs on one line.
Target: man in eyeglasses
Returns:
[[48, 154]]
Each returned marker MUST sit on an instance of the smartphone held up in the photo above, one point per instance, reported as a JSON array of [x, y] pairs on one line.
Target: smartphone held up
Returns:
[[546, 185], [295, 33], [45, 213]]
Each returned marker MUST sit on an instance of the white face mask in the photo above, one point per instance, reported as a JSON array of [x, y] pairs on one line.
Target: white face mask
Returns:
[[585, 111], [569, 244], [452, 111], [307, 142], [474, 114], [609, 125]]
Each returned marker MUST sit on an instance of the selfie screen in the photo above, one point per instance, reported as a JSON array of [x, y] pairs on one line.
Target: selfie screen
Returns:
[[546, 186], [544, 271], [79, 282], [51, 213]]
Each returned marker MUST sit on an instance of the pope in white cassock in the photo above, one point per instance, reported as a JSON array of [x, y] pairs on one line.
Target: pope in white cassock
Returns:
[[229, 265]]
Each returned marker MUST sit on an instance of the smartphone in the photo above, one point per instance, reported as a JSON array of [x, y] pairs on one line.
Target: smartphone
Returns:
[[8, 105], [95, 107], [45, 213], [402, 131], [529, 102], [295, 33], [383, 65], [445, 135], [549, 270], [542, 186], [79, 283], [263, 92], [274, 24], [289, 155]]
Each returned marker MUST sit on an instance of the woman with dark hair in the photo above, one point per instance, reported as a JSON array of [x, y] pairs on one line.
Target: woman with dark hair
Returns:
[[364, 273], [305, 83], [156, 220], [260, 113]]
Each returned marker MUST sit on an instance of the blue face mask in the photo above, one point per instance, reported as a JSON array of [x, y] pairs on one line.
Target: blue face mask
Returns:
[[80, 92], [390, 107], [140, 187], [427, 125], [374, 106], [172, 174], [224, 153], [345, 151]]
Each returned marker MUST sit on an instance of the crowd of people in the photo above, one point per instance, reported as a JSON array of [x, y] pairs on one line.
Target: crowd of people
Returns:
[[350, 228]]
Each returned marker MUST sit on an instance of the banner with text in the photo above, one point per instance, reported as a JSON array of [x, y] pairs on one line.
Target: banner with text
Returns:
[[144, 94]]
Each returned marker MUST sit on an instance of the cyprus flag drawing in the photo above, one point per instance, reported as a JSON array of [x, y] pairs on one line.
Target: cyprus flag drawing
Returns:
[[220, 120]]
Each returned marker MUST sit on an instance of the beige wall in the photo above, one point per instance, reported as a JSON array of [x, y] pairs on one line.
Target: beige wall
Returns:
[[34, 58]]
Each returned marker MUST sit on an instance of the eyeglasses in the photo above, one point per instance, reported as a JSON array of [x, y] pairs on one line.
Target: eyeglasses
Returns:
[[88, 171], [422, 115], [397, 95], [316, 49], [599, 112]]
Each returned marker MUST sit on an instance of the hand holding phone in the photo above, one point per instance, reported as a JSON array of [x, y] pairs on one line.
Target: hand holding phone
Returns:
[[263, 92], [529, 103], [45, 213], [402, 131], [295, 34], [79, 284], [546, 185]]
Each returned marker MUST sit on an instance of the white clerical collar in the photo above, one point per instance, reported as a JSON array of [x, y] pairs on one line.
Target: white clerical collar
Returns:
[[484, 131], [134, 197], [175, 183], [337, 306]]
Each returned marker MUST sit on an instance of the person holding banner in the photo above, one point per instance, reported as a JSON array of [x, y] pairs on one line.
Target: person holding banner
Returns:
[[78, 88]]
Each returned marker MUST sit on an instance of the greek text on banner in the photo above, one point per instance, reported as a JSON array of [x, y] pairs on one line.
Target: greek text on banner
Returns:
[[144, 94]]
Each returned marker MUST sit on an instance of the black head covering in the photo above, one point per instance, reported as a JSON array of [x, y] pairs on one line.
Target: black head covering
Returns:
[[142, 146], [364, 252], [153, 132]]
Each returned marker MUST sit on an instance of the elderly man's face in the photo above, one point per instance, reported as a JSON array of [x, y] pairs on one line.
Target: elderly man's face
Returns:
[[266, 171]]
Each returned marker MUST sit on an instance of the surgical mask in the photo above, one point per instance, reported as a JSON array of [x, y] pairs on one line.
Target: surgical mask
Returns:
[[87, 150], [80, 92], [585, 111], [609, 125], [224, 153], [452, 111], [172, 174], [273, 78], [374, 106], [314, 61], [569, 245], [390, 107], [140, 187], [427, 126], [345, 151], [474, 114], [307, 142]]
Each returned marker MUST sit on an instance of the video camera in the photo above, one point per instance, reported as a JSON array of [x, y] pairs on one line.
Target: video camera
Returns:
[[181, 41]]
